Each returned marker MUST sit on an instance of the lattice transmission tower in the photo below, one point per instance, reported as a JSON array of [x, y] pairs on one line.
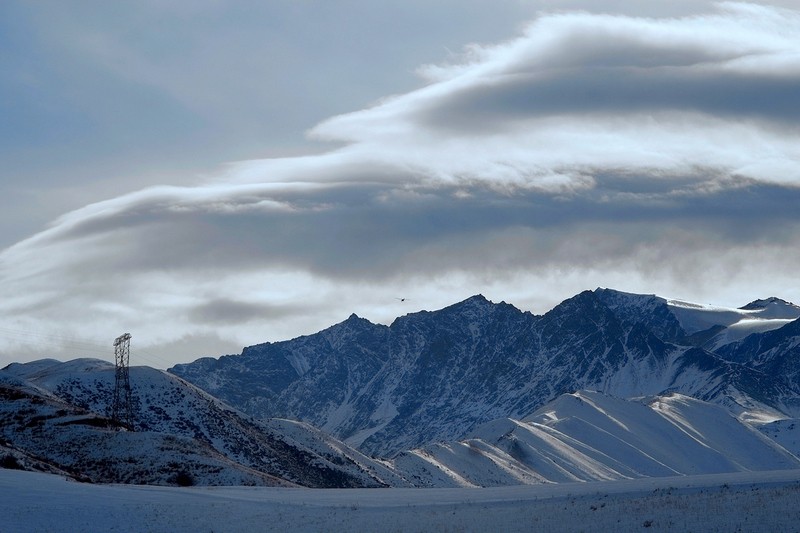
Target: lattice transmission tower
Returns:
[[122, 406]]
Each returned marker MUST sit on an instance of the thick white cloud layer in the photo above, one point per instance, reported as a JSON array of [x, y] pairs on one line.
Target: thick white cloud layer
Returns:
[[580, 92], [646, 154]]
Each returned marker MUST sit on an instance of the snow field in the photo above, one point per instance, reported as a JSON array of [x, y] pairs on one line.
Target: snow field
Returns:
[[743, 501]]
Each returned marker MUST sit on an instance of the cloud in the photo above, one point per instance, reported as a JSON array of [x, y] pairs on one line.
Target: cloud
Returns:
[[227, 311], [650, 154], [578, 92]]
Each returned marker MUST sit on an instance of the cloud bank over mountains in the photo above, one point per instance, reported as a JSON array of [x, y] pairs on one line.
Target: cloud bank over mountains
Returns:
[[647, 154]]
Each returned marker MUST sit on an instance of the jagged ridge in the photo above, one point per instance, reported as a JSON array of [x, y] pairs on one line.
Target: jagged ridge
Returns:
[[433, 376]]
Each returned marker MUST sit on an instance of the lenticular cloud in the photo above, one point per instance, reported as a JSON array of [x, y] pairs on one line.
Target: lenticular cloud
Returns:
[[591, 149], [579, 94]]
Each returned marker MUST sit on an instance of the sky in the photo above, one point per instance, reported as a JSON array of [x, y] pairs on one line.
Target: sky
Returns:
[[208, 175]]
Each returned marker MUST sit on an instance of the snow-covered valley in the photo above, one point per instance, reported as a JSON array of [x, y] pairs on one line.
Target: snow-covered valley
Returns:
[[749, 501]]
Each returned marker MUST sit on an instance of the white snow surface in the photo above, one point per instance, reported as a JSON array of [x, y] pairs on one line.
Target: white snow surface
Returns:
[[744, 501], [756, 317], [590, 436]]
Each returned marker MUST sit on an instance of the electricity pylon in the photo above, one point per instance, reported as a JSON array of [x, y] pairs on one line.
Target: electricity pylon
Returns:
[[122, 406]]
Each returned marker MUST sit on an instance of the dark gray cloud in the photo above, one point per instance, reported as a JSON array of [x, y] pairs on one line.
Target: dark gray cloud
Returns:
[[377, 232], [227, 311], [573, 64], [621, 90]]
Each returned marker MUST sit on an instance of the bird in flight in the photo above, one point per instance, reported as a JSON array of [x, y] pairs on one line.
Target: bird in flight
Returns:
[[401, 299]]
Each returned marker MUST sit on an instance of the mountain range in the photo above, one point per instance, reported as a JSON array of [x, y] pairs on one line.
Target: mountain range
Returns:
[[607, 385], [436, 376]]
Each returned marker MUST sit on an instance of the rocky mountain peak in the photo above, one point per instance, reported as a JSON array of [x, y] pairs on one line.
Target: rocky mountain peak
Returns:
[[354, 325], [474, 304], [433, 375], [774, 308], [762, 303]]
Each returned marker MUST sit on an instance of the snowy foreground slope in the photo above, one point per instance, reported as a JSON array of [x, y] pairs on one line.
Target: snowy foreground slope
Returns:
[[748, 501], [52, 415], [589, 436]]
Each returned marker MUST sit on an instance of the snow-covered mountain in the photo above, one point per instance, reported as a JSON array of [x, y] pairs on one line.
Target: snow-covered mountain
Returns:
[[52, 416], [589, 436], [437, 376], [582, 436], [703, 325], [476, 394]]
